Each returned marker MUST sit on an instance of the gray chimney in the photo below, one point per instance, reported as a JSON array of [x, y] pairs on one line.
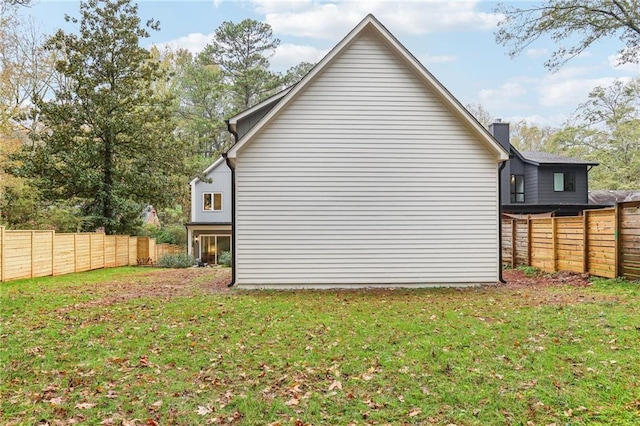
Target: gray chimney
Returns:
[[500, 132]]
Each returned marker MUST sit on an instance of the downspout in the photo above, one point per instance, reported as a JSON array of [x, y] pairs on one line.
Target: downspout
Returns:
[[232, 130], [502, 166]]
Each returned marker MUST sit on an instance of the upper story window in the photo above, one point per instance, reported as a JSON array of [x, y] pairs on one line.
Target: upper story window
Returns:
[[517, 188], [212, 201], [564, 181]]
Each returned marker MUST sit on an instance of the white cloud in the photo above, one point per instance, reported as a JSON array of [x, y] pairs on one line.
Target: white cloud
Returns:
[[318, 19], [558, 94], [277, 6], [288, 55], [193, 42], [614, 62], [503, 99], [569, 86], [538, 120]]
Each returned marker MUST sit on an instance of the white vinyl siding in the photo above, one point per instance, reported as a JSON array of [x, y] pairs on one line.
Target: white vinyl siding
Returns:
[[366, 178]]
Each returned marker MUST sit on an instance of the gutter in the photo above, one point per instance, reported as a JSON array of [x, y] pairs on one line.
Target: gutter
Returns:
[[233, 219], [500, 277], [232, 129]]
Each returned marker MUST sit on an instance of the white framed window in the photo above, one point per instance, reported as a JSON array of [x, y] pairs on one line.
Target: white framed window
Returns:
[[212, 201]]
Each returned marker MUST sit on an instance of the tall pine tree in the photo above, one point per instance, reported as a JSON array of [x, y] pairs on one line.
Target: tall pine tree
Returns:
[[108, 138]]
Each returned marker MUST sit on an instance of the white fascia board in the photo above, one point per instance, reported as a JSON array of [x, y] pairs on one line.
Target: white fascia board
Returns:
[[207, 170]]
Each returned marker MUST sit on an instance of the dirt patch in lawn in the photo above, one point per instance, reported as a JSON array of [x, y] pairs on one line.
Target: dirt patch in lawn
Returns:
[[159, 283], [560, 288], [516, 278], [169, 283]]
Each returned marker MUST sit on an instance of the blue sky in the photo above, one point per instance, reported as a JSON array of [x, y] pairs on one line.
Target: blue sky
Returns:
[[453, 39]]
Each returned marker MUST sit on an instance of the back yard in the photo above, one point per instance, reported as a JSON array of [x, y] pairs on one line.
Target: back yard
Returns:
[[134, 346]]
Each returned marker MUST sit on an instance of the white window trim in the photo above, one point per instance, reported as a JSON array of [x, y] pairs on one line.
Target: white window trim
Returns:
[[213, 202]]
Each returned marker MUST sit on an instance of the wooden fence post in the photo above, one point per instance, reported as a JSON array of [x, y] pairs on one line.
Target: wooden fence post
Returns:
[[554, 244], [585, 241], [529, 240], [32, 253], [513, 243], [75, 252], [53, 258], [1, 253], [617, 225]]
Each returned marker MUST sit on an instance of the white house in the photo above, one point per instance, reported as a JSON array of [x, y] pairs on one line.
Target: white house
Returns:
[[366, 173], [209, 231]]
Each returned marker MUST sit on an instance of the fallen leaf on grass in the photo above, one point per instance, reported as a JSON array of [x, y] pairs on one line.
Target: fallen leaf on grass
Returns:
[[203, 411], [85, 405], [414, 412], [56, 401], [292, 401], [335, 385]]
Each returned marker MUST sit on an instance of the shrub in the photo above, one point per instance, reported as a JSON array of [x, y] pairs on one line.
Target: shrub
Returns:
[[176, 260], [225, 258], [172, 234]]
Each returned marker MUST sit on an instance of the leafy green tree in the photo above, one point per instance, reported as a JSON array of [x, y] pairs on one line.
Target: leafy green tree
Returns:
[[576, 23], [26, 70], [109, 139], [530, 137], [296, 72], [242, 52], [606, 129], [205, 102]]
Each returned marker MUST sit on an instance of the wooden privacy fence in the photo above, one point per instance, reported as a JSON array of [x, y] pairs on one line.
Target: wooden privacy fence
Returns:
[[602, 242], [29, 254]]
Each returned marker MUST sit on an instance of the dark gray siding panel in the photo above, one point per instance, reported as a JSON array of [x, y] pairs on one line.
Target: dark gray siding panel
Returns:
[[531, 186], [245, 124], [548, 196], [504, 183], [517, 167]]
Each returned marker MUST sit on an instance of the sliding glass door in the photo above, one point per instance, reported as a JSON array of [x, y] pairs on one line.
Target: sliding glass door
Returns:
[[212, 245]]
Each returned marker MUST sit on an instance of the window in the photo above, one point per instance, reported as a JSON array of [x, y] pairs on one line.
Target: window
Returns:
[[564, 182], [212, 201], [212, 245], [517, 188]]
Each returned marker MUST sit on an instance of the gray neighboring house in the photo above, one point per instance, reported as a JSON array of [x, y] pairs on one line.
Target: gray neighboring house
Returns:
[[539, 182], [209, 231]]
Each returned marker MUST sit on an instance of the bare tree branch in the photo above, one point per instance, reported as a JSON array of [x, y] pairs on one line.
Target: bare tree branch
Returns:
[[574, 24]]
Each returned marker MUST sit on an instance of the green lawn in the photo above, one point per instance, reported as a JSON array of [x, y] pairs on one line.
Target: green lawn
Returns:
[[142, 346]]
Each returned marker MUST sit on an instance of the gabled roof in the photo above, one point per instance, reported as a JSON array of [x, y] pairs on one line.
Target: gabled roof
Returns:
[[370, 23], [207, 170], [537, 158]]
